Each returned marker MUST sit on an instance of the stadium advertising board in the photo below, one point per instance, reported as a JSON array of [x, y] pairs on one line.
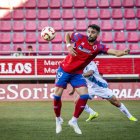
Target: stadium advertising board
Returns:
[[44, 92]]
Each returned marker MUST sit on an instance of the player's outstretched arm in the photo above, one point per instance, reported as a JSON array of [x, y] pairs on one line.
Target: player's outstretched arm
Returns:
[[118, 53], [68, 44]]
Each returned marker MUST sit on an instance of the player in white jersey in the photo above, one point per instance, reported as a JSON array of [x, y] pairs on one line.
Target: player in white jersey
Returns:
[[97, 86]]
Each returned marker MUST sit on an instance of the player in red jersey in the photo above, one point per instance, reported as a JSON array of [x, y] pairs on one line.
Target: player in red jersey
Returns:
[[85, 49]]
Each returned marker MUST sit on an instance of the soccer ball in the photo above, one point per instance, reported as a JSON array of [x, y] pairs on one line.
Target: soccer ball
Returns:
[[48, 33]]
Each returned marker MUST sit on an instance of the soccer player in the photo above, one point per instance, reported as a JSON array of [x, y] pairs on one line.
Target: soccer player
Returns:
[[85, 49], [97, 86]]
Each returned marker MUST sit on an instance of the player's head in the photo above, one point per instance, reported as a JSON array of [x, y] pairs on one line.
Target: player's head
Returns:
[[93, 31]]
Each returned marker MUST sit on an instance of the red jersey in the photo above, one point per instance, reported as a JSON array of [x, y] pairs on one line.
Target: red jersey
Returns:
[[85, 54]]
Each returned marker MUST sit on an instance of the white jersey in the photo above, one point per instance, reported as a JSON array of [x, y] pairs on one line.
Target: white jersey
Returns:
[[96, 79]]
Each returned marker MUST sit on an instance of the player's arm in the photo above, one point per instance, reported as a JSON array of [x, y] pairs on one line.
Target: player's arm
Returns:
[[118, 52], [68, 44]]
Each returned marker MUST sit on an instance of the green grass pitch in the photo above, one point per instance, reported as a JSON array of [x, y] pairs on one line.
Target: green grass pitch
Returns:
[[35, 121]]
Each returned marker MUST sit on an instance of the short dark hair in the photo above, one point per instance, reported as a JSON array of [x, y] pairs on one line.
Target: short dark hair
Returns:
[[94, 26]]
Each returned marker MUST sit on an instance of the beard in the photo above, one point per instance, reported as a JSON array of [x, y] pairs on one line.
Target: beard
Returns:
[[92, 39]]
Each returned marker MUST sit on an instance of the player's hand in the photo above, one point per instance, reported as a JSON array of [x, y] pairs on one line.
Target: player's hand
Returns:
[[126, 51], [72, 51]]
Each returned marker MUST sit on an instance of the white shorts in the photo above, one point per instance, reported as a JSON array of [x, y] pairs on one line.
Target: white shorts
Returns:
[[100, 92]]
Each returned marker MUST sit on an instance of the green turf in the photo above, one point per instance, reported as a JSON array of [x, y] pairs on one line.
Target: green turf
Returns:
[[35, 121]]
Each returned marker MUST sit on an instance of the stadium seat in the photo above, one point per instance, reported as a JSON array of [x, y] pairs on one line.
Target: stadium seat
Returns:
[[42, 24], [54, 4], [79, 3], [106, 37], [15, 46], [42, 4], [30, 37], [44, 49], [5, 50], [106, 25], [129, 13], [18, 14], [18, 37], [30, 14], [5, 26], [115, 3], [57, 49], [118, 25], [56, 24], [138, 13], [133, 37], [110, 46], [67, 4], [119, 37], [137, 3], [58, 38], [103, 3], [91, 3], [81, 25], [79, 14], [5, 37], [105, 14], [30, 25], [67, 14], [42, 14], [131, 25], [128, 3], [30, 4], [55, 14], [94, 22], [18, 25], [117, 13], [5, 14], [121, 46], [139, 25], [68, 25], [134, 49], [92, 14]]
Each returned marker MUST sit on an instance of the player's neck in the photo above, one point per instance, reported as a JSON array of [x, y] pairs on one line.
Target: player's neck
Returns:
[[91, 43]]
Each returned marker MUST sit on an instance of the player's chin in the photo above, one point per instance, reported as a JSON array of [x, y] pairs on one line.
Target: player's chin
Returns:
[[91, 39]]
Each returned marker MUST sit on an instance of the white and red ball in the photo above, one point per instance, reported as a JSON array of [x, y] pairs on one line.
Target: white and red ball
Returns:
[[48, 33]]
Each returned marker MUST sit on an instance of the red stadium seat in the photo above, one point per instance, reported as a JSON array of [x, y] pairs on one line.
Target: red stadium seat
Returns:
[[133, 37], [103, 3], [79, 3], [18, 37], [138, 13], [106, 37], [115, 3], [127, 3], [139, 25], [57, 49], [68, 25], [137, 3], [42, 24], [131, 25], [18, 25], [18, 46], [106, 25], [119, 37], [57, 25], [118, 25], [92, 14], [5, 14], [5, 37], [91, 3], [81, 25], [5, 50], [117, 13], [5, 26], [134, 49], [67, 14], [110, 46], [94, 22], [54, 4], [55, 14], [30, 37], [79, 14], [44, 49], [67, 4], [42, 14], [58, 38], [42, 4], [121, 46], [30, 25], [30, 4], [30, 14], [105, 14], [129, 13], [18, 14]]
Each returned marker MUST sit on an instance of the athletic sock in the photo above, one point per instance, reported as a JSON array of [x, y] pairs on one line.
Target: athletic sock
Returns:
[[124, 110], [57, 105], [89, 110]]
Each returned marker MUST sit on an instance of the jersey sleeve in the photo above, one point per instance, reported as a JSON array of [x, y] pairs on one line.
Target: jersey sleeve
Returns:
[[76, 36], [103, 48]]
